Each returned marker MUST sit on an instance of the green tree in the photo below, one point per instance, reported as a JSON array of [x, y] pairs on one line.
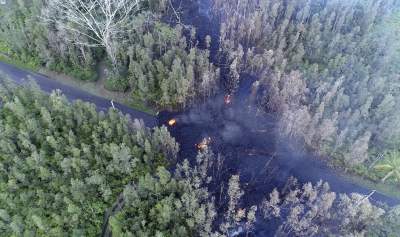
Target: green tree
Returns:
[[164, 206], [314, 210], [343, 53], [62, 165], [390, 166]]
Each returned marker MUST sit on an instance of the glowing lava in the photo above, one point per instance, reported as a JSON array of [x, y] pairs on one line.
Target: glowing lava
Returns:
[[172, 122], [228, 99], [204, 144]]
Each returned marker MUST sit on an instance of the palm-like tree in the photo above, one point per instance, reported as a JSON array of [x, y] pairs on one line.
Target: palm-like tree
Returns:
[[391, 166]]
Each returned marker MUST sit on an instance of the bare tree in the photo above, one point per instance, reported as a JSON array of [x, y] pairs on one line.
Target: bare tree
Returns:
[[101, 21]]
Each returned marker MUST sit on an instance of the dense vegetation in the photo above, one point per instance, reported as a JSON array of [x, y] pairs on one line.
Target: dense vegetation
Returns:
[[330, 74], [164, 67], [329, 69], [148, 59], [68, 170], [62, 165], [314, 210], [24, 39]]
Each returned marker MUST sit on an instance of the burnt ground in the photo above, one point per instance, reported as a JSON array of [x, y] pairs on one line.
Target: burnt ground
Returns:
[[248, 142], [245, 137]]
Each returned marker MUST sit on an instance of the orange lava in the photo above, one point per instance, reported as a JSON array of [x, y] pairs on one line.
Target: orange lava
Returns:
[[204, 144], [172, 122], [228, 99]]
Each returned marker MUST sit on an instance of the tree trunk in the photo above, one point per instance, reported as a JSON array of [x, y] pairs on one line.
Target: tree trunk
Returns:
[[111, 53], [110, 49], [116, 207], [387, 176], [83, 54]]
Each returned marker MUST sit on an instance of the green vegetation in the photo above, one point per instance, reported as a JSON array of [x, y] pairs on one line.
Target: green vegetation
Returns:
[[138, 104], [68, 170], [165, 68], [4, 48], [28, 43], [390, 167], [181, 204], [389, 226], [5, 57], [328, 69], [18, 63], [314, 210], [62, 165], [147, 59]]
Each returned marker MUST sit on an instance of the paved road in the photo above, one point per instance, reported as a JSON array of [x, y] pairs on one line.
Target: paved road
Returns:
[[302, 166], [48, 85]]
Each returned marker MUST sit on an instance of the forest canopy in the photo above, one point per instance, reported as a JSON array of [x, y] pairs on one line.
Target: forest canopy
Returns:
[[329, 69], [148, 59], [62, 165]]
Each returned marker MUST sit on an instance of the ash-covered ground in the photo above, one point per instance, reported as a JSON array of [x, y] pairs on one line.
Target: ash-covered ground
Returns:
[[246, 138]]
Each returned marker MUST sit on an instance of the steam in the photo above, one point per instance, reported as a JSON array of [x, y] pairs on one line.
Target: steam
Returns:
[[231, 132], [249, 141]]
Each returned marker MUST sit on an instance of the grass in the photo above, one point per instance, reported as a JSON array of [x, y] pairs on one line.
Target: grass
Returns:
[[365, 177], [18, 63], [389, 189], [138, 105], [5, 53]]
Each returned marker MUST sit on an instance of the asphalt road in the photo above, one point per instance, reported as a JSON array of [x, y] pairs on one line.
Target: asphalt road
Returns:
[[301, 166], [47, 84]]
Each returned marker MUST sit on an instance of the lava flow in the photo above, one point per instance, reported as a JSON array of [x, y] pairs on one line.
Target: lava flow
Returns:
[[228, 99], [248, 145], [204, 144], [172, 122]]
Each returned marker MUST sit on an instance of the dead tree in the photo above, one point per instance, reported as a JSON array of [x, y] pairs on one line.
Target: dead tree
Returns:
[[103, 22]]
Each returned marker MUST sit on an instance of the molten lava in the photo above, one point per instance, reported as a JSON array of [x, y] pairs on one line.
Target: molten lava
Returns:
[[228, 99], [204, 144], [172, 122]]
